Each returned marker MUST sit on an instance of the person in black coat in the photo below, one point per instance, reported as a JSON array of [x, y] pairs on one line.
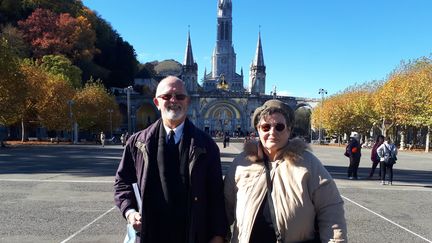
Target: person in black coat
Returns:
[[353, 152], [178, 170]]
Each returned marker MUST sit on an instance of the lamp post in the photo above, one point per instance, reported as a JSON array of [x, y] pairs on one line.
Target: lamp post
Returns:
[[70, 103], [133, 119], [128, 90], [322, 92], [110, 111]]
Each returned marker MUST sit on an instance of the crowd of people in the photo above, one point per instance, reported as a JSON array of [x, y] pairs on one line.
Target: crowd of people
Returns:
[[383, 153]]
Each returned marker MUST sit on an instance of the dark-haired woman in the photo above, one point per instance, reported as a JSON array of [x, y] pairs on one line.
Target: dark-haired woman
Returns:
[[374, 156]]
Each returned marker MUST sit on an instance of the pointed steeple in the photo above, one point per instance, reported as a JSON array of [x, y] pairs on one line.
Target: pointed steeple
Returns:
[[259, 57], [257, 76], [189, 68], [189, 61], [224, 8]]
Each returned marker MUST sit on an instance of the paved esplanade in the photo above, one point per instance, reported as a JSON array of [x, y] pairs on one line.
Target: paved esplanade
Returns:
[[64, 193]]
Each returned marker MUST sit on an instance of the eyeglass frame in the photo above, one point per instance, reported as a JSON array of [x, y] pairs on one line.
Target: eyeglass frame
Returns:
[[279, 127], [167, 97]]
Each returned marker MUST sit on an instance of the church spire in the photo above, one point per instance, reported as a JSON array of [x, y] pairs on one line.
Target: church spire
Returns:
[[259, 57], [190, 68], [257, 76], [188, 60], [224, 8]]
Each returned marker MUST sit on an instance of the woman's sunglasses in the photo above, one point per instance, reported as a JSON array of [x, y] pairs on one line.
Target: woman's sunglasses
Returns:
[[266, 127], [169, 96]]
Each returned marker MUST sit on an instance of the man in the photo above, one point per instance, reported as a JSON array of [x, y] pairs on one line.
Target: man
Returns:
[[353, 151], [178, 170]]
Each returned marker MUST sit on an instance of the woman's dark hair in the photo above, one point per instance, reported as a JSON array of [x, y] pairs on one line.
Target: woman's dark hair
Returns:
[[378, 138]]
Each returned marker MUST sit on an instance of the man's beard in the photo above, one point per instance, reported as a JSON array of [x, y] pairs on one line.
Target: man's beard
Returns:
[[174, 113]]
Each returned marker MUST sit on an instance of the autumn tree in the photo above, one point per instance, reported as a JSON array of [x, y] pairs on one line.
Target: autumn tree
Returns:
[[332, 115], [91, 108], [52, 108], [34, 78], [50, 33], [13, 89], [415, 80]]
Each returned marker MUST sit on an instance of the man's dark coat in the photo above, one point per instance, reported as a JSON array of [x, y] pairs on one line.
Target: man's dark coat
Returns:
[[207, 210]]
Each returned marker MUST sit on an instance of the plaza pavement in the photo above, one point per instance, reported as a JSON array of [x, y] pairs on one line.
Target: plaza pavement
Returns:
[[63, 193]]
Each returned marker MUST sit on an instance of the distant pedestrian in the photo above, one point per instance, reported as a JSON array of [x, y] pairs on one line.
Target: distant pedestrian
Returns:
[[374, 156], [353, 152], [387, 153], [123, 139], [227, 140], [102, 139]]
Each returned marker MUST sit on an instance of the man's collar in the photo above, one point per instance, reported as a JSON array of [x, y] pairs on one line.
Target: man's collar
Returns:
[[178, 131]]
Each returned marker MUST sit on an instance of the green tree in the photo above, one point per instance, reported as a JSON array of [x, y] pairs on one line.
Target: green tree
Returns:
[[61, 66]]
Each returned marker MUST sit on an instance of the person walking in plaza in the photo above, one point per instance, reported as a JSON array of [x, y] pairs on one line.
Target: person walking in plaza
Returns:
[[353, 152], [388, 156], [178, 170], [224, 140], [123, 139], [374, 156], [276, 190], [102, 139]]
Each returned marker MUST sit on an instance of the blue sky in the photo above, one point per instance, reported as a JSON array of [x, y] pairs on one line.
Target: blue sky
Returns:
[[307, 44]]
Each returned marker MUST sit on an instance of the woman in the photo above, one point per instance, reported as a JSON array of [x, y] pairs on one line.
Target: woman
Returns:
[[374, 156], [387, 153], [292, 198]]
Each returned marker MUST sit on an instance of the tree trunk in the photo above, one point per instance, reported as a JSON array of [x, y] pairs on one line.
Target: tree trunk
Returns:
[[402, 141], [22, 130], [415, 131], [427, 139]]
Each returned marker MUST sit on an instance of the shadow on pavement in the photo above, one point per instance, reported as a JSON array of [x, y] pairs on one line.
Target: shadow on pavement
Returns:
[[80, 160], [407, 176]]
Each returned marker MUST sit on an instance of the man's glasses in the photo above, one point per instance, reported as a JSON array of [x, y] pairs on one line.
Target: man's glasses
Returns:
[[266, 127], [169, 96]]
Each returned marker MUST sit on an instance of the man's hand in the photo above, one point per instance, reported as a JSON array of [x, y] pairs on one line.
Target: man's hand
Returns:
[[217, 239], [135, 220]]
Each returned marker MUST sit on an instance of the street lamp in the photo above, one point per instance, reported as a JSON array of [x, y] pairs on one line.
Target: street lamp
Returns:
[[322, 92], [110, 111], [128, 90], [70, 103]]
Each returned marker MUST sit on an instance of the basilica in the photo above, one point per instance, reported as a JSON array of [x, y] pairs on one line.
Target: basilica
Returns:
[[220, 103]]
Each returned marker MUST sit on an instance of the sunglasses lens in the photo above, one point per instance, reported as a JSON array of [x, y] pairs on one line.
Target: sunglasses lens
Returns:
[[165, 96], [169, 96], [180, 96], [280, 127], [265, 127]]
